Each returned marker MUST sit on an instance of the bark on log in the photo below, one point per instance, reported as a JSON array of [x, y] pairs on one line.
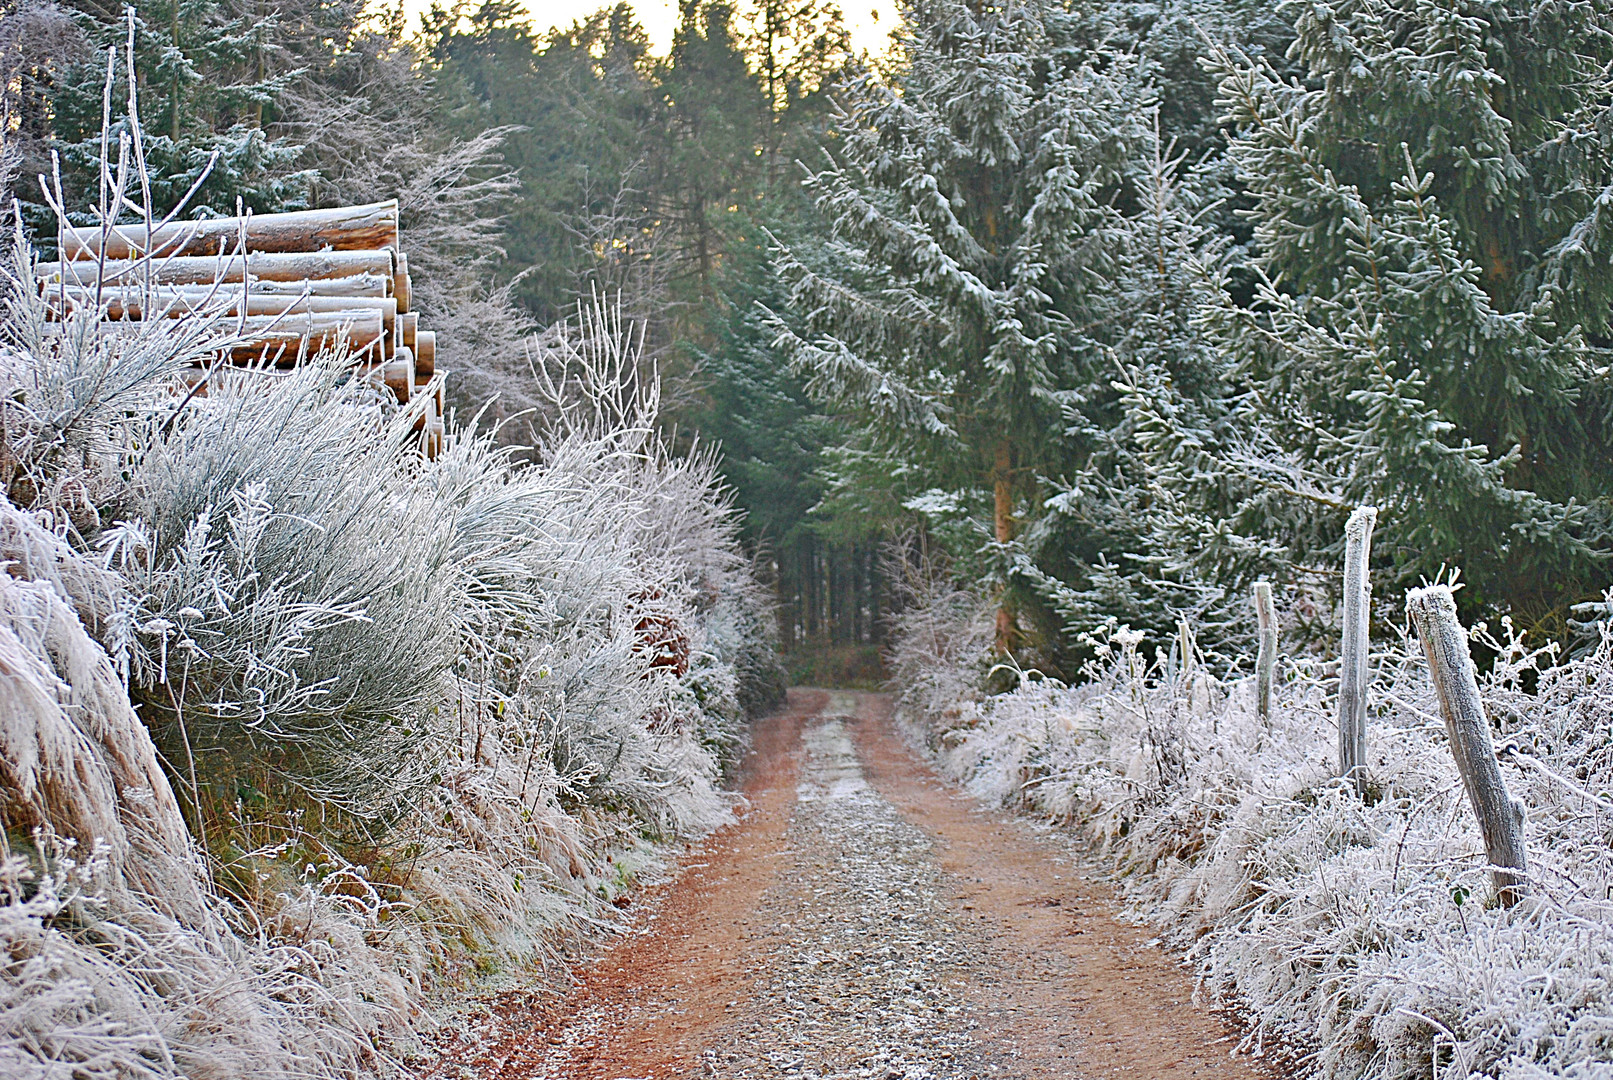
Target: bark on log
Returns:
[[1353, 652], [178, 303], [342, 228], [195, 375], [1500, 816], [199, 269], [1266, 662], [425, 353], [289, 350], [283, 336], [376, 285]]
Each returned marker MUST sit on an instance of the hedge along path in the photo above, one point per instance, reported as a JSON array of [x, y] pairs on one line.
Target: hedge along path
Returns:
[[283, 286], [864, 918]]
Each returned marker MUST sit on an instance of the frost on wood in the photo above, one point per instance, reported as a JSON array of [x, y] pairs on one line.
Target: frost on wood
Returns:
[[1353, 650], [1266, 660], [1501, 817]]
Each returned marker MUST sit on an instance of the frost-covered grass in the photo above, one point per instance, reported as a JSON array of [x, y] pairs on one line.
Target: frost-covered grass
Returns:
[[1362, 933]]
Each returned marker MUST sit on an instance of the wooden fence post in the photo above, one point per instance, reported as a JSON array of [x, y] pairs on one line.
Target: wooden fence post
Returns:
[[1433, 612], [1353, 650], [1266, 661]]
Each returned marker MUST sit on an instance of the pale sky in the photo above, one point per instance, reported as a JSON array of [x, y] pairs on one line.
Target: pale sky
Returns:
[[871, 21]]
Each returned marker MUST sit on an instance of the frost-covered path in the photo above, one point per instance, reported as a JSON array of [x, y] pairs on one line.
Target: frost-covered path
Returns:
[[864, 920]]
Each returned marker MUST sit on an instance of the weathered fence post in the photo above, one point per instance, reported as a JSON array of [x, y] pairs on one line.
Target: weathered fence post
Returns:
[[1353, 651], [1433, 612], [1266, 661]]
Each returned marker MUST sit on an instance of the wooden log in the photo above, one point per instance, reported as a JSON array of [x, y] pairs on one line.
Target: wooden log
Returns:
[[1500, 816], [408, 328], [229, 301], [211, 377], [423, 389], [400, 283], [341, 228], [397, 375], [288, 350], [1266, 661], [425, 353], [374, 285], [361, 329], [1353, 651], [200, 269]]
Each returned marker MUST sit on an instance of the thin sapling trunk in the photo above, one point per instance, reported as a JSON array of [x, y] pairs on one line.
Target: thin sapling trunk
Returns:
[[1003, 526]]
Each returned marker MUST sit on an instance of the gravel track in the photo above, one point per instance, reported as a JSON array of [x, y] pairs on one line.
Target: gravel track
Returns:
[[863, 920]]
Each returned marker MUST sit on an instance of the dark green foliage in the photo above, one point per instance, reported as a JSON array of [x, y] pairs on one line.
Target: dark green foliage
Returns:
[[1427, 330], [1122, 304], [212, 75]]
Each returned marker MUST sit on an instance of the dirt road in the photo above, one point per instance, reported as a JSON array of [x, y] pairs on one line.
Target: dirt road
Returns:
[[864, 919]]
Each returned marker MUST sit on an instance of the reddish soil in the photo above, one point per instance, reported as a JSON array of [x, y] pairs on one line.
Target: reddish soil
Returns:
[[1065, 989], [1091, 998]]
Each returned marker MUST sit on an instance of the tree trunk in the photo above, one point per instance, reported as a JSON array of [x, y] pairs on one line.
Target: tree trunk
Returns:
[[876, 627], [1266, 662], [1353, 652], [226, 269], [343, 228], [809, 591], [1003, 526], [1501, 817]]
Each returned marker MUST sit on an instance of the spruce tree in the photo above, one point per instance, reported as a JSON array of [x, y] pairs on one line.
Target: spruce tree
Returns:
[[212, 73], [972, 209], [1432, 276]]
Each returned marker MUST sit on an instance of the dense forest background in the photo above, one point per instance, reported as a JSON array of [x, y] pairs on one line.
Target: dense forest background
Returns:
[[1109, 307]]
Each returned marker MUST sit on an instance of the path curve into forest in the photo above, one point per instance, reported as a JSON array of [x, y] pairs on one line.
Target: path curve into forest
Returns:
[[864, 919]]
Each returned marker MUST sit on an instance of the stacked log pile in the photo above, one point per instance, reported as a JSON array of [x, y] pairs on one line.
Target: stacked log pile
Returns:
[[287, 286]]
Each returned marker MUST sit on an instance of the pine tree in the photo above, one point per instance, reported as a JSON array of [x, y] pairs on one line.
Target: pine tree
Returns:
[[1431, 294], [1127, 541], [972, 201], [212, 72]]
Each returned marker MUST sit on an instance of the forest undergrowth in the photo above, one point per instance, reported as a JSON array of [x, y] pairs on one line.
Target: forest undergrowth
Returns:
[[1361, 935]]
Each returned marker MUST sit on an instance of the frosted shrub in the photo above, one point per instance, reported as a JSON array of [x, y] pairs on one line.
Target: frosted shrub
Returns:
[[417, 717], [1363, 931]]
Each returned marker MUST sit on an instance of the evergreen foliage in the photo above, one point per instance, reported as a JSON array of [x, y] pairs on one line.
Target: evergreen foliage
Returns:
[[1183, 321], [973, 205], [1431, 302], [214, 72]]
